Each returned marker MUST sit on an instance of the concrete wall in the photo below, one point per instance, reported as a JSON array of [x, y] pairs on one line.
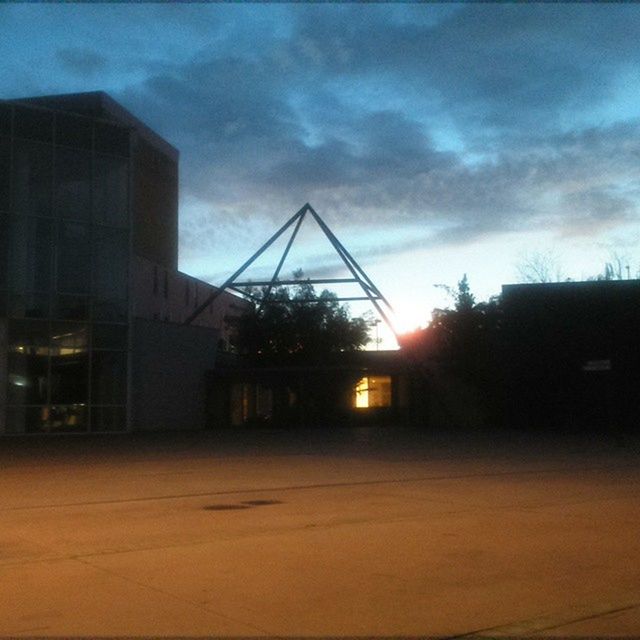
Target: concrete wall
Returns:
[[172, 296], [168, 374]]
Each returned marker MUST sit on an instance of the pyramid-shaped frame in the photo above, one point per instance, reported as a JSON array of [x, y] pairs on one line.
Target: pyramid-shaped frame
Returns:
[[372, 293]]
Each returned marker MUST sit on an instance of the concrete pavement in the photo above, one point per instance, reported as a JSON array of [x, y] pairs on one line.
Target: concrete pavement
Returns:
[[366, 533]]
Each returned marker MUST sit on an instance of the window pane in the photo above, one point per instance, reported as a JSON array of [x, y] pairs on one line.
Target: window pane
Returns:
[[74, 258], [29, 305], [65, 418], [69, 363], [34, 124], [3, 370], [32, 178], [69, 307], [4, 250], [110, 336], [373, 392], [110, 263], [30, 253], [111, 190], [109, 377], [72, 131], [26, 419], [110, 310], [28, 362], [5, 172], [73, 184]]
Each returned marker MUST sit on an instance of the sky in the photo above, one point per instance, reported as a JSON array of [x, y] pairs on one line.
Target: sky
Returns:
[[434, 139]]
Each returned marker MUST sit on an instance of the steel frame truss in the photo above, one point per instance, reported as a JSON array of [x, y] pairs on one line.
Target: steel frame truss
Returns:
[[372, 293]]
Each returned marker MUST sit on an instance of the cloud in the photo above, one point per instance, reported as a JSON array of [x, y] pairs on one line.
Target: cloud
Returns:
[[474, 123], [82, 62]]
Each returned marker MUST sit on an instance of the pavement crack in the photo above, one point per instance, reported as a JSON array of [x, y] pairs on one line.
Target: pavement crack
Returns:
[[173, 596], [303, 487]]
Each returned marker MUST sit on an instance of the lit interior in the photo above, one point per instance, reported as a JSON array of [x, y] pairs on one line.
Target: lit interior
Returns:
[[373, 391]]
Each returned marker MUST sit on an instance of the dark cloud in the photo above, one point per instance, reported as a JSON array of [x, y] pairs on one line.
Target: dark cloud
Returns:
[[81, 62], [349, 106]]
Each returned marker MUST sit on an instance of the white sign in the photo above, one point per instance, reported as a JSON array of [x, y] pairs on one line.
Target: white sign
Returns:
[[597, 365]]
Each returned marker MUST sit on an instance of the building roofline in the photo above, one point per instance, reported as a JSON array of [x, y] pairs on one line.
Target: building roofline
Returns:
[[99, 104]]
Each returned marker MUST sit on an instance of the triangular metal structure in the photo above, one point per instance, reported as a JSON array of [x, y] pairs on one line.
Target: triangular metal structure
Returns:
[[372, 293]]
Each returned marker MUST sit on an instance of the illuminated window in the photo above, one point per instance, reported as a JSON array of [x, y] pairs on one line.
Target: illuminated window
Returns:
[[373, 391]]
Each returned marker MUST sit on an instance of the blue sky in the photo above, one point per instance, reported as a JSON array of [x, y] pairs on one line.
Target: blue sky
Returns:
[[436, 140]]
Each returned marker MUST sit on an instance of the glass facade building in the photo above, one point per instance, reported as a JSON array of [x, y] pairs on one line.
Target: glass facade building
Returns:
[[65, 263]]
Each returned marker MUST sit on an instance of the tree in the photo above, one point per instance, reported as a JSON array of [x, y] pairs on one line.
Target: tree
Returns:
[[539, 266], [297, 323], [617, 268]]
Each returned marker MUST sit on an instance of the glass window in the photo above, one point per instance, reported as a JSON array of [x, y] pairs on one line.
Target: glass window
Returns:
[[73, 184], [110, 310], [373, 391], [74, 258], [28, 305], [4, 250], [70, 307], [64, 418], [32, 178], [72, 131], [108, 377], [110, 190], [69, 363], [5, 172], [27, 362], [34, 124], [110, 263], [109, 336], [30, 253], [3, 371], [26, 419]]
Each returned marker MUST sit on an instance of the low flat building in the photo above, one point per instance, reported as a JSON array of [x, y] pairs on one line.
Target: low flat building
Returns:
[[571, 353]]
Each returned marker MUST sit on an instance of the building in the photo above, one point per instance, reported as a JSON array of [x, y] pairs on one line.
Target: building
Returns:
[[91, 300], [339, 389], [571, 353]]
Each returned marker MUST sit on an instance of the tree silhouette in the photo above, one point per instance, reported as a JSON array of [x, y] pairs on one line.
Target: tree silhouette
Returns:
[[296, 322]]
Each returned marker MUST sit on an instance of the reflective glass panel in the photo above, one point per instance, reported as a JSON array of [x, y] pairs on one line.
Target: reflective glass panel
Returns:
[[74, 258], [70, 307], [5, 172], [32, 178], [66, 418], [110, 190], [26, 419], [28, 305], [69, 363], [30, 253], [27, 362], [4, 249], [108, 377], [73, 184], [110, 263]]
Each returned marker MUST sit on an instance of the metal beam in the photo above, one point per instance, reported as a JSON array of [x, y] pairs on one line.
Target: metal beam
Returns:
[[230, 280], [372, 293]]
